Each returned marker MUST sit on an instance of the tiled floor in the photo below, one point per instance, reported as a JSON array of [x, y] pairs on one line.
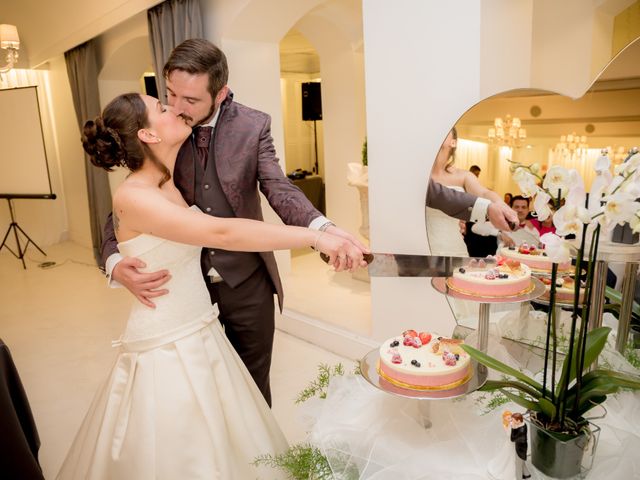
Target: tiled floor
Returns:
[[59, 323]]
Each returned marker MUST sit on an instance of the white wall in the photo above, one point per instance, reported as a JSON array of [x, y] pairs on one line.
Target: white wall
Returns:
[[422, 73]]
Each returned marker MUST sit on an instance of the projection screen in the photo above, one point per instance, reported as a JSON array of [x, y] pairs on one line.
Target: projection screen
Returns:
[[24, 171]]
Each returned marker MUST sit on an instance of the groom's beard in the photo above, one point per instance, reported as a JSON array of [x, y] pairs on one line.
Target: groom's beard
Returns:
[[203, 120]]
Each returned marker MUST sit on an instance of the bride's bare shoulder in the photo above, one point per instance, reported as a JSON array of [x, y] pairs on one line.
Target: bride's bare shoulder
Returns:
[[131, 193]]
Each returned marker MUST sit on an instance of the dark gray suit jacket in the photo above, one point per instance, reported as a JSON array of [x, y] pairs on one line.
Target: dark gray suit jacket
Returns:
[[452, 202]]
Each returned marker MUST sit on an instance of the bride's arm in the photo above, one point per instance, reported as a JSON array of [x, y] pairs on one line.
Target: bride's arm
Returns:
[[473, 186], [144, 210]]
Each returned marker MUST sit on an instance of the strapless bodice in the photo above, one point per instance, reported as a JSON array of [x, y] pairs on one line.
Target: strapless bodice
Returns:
[[188, 299]]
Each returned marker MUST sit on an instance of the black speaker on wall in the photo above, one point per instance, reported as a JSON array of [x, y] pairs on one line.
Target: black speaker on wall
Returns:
[[150, 86], [311, 101]]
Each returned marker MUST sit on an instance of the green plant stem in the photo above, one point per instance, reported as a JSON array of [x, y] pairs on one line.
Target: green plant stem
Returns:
[[552, 298], [562, 389], [586, 310]]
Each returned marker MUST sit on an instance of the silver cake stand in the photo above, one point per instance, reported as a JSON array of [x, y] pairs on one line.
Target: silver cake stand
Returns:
[[440, 284], [369, 369]]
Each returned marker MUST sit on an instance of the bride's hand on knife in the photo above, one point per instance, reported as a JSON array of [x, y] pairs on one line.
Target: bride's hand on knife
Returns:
[[343, 254]]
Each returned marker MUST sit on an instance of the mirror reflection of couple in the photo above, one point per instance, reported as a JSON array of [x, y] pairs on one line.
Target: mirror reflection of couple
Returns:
[[187, 399]]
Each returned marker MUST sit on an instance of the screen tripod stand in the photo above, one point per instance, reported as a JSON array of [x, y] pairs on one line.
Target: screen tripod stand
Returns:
[[15, 228]]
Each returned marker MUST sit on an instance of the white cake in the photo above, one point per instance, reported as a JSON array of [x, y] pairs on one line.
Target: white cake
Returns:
[[424, 361]]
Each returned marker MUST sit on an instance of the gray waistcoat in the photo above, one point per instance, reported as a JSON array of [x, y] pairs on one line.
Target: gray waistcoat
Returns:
[[234, 267]]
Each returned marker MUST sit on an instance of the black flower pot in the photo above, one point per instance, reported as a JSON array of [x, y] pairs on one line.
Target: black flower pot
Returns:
[[561, 455]]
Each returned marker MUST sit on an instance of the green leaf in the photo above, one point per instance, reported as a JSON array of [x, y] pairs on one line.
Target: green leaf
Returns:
[[523, 402], [500, 367], [596, 340], [615, 296], [547, 407], [599, 383], [491, 385]]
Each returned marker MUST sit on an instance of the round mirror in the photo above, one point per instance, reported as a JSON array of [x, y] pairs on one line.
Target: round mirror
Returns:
[[529, 127]]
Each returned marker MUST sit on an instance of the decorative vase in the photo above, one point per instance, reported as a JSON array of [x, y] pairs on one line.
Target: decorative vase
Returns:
[[561, 455]]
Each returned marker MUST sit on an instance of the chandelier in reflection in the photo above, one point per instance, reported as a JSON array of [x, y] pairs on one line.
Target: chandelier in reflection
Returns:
[[507, 132], [571, 146]]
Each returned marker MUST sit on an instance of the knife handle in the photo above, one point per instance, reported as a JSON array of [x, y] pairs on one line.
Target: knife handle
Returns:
[[368, 257]]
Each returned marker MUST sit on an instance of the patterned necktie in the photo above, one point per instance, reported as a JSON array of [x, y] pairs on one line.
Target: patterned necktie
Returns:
[[203, 138]]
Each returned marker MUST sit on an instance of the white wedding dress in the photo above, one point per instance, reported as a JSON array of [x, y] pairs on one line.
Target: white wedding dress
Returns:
[[179, 403], [443, 232]]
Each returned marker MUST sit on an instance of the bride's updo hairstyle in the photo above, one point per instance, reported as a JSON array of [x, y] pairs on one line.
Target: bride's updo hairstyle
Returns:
[[111, 140]]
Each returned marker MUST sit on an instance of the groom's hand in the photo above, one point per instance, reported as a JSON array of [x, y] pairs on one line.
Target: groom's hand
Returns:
[[501, 216], [144, 286], [333, 230]]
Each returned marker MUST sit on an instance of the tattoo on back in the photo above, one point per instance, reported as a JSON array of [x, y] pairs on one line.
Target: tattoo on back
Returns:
[[116, 222]]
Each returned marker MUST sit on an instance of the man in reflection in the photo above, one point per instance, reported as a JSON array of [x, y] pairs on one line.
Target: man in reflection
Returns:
[[463, 206]]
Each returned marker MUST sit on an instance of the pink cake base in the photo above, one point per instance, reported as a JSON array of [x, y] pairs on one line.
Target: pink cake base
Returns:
[[491, 288], [425, 381]]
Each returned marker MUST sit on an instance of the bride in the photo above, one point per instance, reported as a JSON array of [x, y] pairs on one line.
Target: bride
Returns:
[[443, 231], [179, 402]]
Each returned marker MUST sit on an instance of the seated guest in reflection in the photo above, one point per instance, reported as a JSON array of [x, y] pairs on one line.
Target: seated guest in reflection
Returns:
[[442, 230], [545, 226], [525, 232], [475, 169]]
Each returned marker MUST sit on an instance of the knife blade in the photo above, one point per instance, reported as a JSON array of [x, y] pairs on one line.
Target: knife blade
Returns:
[[402, 265]]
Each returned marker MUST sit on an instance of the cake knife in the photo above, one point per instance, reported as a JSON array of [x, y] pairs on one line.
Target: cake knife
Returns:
[[402, 265]]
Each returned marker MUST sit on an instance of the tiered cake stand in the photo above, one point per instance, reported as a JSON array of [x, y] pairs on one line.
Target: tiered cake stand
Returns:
[[440, 284], [478, 375]]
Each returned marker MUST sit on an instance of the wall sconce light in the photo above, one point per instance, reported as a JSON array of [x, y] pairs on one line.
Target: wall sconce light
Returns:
[[10, 42]]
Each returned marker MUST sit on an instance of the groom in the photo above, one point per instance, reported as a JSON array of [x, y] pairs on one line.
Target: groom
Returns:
[[219, 169]]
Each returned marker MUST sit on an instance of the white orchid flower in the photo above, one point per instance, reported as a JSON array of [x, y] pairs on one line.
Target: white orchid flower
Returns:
[[558, 249], [569, 219], [635, 223], [633, 163], [620, 207], [559, 178], [541, 205], [631, 187], [526, 182]]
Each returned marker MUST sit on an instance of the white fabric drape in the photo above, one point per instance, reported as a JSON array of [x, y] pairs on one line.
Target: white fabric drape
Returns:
[[585, 165], [471, 153]]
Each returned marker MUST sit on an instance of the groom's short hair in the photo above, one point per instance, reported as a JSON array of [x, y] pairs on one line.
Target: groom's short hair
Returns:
[[196, 56]]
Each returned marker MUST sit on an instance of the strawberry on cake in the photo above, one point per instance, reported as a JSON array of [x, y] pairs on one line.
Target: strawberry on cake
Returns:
[[492, 277], [533, 256], [422, 361]]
